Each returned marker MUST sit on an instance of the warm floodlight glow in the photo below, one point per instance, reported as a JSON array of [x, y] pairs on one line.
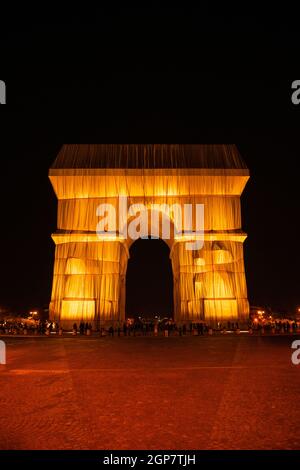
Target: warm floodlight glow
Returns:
[[78, 309], [199, 261], [223, 308], [89, 279]]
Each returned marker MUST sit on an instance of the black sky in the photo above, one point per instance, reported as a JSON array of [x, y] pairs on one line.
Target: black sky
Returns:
[[140, 75]]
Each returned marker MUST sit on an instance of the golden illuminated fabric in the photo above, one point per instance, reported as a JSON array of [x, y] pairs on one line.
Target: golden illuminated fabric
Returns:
[[89, 273]]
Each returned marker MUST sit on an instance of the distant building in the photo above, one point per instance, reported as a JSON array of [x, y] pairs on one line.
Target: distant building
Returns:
[[256, 310]]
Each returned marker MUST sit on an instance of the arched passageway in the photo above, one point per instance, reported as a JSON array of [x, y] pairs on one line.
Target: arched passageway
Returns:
[[149, 279]]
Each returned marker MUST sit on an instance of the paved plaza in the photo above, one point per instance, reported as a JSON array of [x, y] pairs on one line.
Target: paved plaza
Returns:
[[225, 392]]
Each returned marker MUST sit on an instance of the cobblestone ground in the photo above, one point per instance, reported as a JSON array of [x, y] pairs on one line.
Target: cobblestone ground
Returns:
[[150, 393]]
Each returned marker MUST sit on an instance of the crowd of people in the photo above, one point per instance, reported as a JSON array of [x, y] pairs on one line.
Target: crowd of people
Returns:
[[149, 328], [275, 326], [201, 328], [18, 327], [154, 328]]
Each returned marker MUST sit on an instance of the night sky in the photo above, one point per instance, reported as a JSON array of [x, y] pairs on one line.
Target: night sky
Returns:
[[145, 76]]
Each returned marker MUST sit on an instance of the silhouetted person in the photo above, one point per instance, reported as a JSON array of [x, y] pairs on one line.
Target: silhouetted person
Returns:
[[111, 331]]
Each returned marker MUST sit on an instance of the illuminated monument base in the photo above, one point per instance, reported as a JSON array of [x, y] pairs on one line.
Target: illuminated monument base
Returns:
[[90, 274]]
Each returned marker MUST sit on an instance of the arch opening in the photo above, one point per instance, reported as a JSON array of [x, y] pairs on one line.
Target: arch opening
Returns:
[[149, 280]]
